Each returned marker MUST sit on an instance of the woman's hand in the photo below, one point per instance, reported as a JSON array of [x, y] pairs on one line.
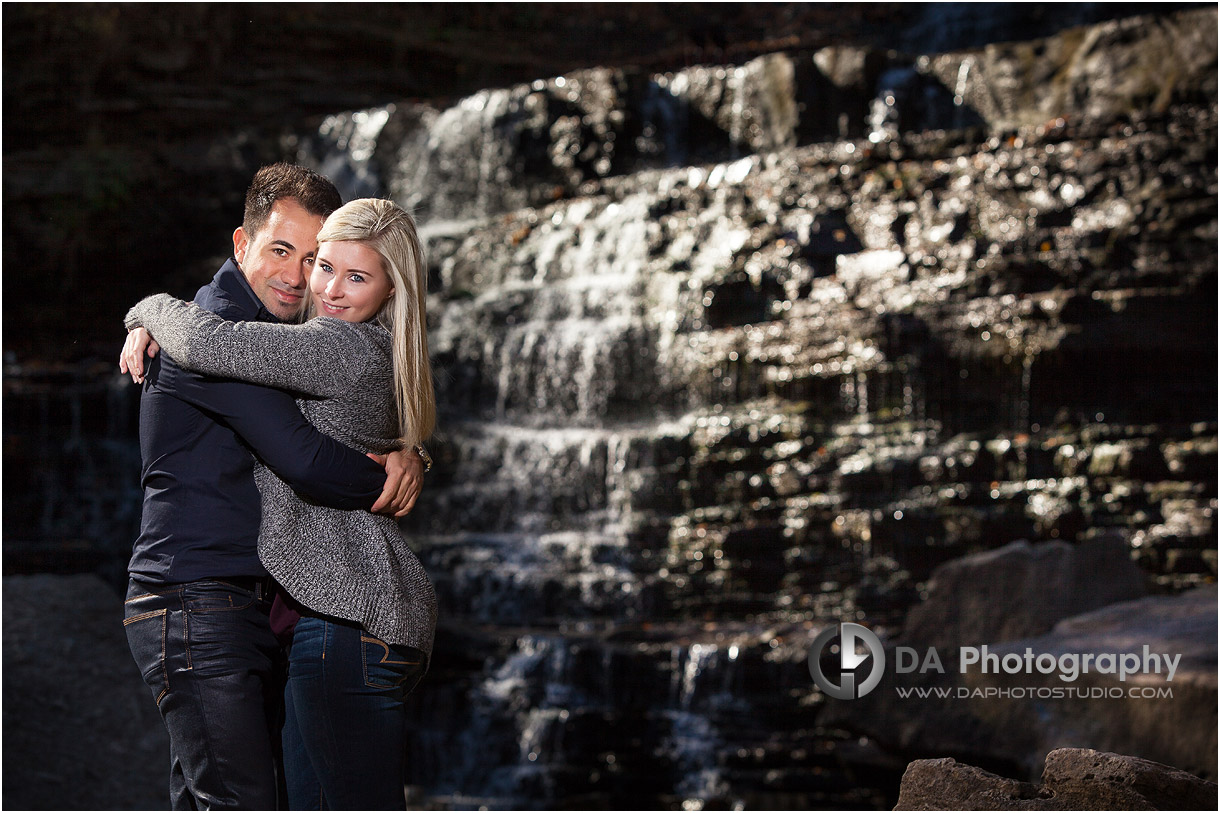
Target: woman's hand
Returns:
[[404, 481], [131, 360]]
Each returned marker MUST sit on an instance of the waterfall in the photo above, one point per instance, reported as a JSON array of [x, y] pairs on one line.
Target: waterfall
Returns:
[[959, 89], [885, 110], [347, 142], [712, 374]]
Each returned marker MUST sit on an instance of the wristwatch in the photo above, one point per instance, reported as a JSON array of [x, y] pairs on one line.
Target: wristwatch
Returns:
[[424, 456]]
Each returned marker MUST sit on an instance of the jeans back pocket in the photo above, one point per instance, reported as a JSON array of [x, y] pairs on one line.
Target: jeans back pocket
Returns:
[[146, 637], [387, 666]]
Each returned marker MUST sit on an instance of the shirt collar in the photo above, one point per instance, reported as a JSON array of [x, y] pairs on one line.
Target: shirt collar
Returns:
[[233, 282]]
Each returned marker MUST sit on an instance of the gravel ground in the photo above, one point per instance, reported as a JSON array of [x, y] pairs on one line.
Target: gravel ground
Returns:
[[80, 728]]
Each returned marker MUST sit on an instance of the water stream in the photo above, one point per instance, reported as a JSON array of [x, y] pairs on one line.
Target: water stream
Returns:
[[697, 409]]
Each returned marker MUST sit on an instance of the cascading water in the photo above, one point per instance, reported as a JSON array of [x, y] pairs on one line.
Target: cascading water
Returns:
[[68, 443], [695, 413], [692, 413], [347, 142]]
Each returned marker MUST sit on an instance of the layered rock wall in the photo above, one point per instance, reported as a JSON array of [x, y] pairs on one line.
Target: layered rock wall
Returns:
[[721, 361]]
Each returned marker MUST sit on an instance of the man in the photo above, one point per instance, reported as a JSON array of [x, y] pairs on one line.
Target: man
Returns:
[[198, 603]]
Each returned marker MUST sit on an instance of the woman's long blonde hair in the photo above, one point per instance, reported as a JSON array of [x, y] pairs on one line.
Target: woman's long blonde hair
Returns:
[[390, 231]]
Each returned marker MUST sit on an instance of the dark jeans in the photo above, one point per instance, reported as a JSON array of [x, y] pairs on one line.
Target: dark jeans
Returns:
[[345, 717], [207, 652]]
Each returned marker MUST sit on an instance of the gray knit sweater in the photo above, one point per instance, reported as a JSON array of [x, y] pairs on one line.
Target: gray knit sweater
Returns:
[[349, 564]]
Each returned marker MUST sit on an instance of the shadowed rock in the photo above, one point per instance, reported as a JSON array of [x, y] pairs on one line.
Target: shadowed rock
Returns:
[[945, 784], [1080, 773], [1021, 590], [1147, 713], [1014, 719], [1074, 779]]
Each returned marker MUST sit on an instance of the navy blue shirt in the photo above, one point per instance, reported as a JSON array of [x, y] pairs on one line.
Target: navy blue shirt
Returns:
[[197, 436]]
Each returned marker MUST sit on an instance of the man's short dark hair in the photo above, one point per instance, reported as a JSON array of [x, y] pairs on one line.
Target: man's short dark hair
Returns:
[[315, 193]]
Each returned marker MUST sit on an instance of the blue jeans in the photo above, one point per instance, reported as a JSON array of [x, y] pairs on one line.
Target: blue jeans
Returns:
[[207, 652], [345, 717]]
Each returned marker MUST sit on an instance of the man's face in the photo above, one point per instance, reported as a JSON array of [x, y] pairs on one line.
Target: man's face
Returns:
[[278, 260]]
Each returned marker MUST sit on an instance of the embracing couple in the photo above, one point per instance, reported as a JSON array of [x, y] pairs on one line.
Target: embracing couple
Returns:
[[281, 426]]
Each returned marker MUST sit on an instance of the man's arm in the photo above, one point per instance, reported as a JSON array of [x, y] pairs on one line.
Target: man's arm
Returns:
[[313, 464]]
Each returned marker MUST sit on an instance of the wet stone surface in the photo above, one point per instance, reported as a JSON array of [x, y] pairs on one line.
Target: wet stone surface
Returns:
[[726, 404]]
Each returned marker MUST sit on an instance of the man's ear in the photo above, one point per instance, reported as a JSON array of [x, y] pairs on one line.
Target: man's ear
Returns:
[[240, 245]]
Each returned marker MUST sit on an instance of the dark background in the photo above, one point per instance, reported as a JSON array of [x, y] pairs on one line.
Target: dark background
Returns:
[[132, 129]]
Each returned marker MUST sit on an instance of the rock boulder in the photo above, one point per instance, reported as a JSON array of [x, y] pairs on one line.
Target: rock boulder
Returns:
[[1021, 590], [1014, 719], [1074, 779], [1147, 713]]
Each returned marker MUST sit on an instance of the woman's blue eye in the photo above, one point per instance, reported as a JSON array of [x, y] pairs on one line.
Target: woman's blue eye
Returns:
[[357, 278], [326, 268]]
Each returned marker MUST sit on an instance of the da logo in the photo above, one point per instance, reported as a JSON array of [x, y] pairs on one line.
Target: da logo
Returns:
[[843, 685]]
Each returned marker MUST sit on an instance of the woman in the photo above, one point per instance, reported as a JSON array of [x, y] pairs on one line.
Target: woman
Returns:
[[367, 609]]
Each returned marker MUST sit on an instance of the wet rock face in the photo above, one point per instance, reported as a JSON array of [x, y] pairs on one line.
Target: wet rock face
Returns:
[[131, 133], [501, 149], [1011, 85], [737, 399]]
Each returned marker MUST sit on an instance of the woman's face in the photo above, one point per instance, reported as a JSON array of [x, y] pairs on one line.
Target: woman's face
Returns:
[[348, 282]]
